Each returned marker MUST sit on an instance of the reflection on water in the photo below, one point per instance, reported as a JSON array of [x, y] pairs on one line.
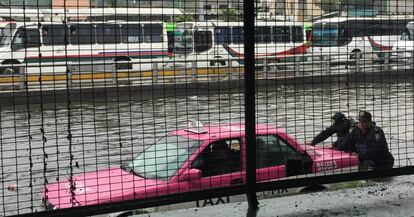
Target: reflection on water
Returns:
[[37, 145]]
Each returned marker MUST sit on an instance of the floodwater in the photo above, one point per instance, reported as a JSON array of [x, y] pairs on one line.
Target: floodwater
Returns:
[[44, 143]]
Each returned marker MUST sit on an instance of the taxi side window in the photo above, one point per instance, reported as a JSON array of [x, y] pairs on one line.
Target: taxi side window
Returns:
[[272, 151], [220, 157]]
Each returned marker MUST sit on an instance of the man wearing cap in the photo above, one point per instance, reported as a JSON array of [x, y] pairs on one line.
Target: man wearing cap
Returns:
[[370, 144], [341, 126]]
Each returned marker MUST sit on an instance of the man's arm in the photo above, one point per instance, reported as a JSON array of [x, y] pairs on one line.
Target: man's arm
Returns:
[[322, 136]]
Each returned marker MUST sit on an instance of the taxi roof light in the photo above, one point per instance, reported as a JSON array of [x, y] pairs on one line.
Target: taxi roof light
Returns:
[[196, 127]]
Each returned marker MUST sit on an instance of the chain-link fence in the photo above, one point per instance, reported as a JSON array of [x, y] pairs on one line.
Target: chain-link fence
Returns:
[[112, 106]]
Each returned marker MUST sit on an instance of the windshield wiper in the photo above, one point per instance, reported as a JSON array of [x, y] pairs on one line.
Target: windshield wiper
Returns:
[[128, 169]]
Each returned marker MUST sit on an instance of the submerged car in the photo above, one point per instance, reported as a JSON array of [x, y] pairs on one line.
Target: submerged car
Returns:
[[196, 158]]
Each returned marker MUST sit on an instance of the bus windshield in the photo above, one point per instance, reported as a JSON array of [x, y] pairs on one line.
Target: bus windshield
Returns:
[[408, 34], [328, 35], [6, 35], [183, 38]]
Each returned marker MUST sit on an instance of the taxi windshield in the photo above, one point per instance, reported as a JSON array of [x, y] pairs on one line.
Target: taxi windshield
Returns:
[[163, 159]]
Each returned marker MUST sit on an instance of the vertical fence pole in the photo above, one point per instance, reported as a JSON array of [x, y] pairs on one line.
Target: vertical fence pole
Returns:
[[69, 73], [297, 65], [328, 65], [230, 70], [193, 70], [114, 74], [387, 61], [357, 62], [250, 102], [154, 73], [265, 68], [22, 74], [412, 59]]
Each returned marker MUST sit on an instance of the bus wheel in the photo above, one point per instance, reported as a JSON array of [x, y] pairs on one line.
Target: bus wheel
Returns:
[[9, 71], [122, 63], [355, 53]]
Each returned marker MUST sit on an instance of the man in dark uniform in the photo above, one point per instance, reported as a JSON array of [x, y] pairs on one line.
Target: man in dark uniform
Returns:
[[370, 143], [341, 126]]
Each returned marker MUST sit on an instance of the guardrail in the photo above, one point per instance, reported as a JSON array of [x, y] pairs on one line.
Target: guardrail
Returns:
[[178, 70]]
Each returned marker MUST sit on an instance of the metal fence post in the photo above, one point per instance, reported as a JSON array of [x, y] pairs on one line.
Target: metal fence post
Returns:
[[155, 72], [265, 67], [114, 74], [230, 70], [412, 59], [328, 65], [387, 61], [297, 65], [357, 62], [69, 74], [193, 70], [22, 74]]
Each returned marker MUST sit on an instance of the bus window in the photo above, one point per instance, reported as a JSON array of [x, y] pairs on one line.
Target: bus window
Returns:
[[297, 34], [281, 34], [26, 38], [152, 33], [107, 33], [54, 34], [262, 34], [238, 37], [222, 35], [203, 41], [131, 33], [82, 34]]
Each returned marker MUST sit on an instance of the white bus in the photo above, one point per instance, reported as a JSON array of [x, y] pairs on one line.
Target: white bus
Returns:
[[212, 43], [81, 42], [404, 47], [344, 37]]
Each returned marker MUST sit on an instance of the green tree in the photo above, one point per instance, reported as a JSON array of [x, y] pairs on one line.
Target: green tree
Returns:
[[328, 6], [184, 18], [357, 3], [228, 15], [112, 3]]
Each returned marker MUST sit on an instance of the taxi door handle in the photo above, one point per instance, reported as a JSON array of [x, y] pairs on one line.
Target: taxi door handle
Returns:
[[236, 181]]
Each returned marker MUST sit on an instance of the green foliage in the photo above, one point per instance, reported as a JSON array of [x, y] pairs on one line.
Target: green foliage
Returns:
[[112, 3], [229, 15], [184, 18], [328, 6], [357, 3]]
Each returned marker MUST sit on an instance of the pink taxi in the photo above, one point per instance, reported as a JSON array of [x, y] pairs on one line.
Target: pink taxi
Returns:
[[200, 157]]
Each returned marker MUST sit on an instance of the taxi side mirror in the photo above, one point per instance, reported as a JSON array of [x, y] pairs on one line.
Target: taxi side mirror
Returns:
[[191, 175]]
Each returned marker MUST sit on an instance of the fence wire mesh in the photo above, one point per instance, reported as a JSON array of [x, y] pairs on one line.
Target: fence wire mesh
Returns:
[[110, 105]]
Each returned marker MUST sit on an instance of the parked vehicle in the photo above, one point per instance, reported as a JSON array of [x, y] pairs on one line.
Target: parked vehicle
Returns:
[[403, 48], [196, 158], [80, 42], [342, 38], [213, 43]]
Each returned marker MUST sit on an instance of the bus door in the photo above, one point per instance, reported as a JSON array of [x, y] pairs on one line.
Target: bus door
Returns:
[[25, 44], [202, 40]]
